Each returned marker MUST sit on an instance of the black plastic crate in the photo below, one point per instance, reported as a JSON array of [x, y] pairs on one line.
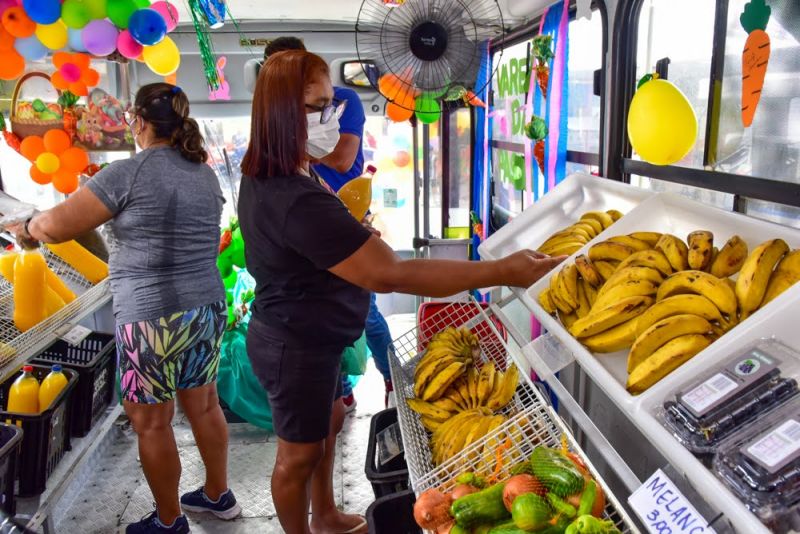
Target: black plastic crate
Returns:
[[94, 360], [393, 514], [46, 435], [10, 441], [392, 477]]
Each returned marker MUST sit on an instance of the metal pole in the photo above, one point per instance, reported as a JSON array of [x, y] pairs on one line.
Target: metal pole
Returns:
[[426, 180]]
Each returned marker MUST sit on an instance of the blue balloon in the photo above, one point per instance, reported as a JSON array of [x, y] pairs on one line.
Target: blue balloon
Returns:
[[42, 11], [147, 27], [30, 48], [76, 40]]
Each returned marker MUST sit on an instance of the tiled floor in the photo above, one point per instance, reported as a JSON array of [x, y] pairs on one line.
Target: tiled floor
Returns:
[[115, 493]]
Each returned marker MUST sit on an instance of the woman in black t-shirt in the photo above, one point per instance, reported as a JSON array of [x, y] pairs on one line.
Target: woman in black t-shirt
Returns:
[[314, 266]]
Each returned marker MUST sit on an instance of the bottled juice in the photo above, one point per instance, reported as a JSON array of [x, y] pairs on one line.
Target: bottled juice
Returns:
[[29, 290], [53, 383], [357, 193], [57, 294], [90, 266], [23, 397]]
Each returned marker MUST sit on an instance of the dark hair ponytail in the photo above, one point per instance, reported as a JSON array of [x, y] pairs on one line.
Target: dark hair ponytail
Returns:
[[166, 107]]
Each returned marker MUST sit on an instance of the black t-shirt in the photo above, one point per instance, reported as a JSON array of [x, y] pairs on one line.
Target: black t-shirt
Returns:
[[294, 231]]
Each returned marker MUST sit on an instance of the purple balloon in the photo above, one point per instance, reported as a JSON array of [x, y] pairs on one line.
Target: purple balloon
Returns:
[[100, 37]]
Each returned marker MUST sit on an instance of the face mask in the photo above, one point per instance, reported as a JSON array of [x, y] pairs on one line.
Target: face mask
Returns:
[[322, 138]]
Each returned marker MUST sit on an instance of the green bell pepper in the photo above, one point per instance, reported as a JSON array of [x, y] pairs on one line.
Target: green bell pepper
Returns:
[[556, 471]]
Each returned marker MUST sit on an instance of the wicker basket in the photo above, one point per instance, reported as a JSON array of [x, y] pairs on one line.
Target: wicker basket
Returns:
[[23, 128]]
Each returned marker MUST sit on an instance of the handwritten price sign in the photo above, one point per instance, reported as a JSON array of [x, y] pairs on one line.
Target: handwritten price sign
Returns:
[[665, 510]]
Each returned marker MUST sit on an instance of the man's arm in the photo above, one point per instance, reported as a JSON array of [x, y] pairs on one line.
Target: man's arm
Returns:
[[344, 155]]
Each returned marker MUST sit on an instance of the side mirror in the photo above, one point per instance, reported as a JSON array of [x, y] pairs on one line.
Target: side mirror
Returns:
[[360, 74], [251, 68]]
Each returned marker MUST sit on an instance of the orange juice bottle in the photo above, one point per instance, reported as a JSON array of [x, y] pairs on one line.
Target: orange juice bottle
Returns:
[[23, 397], [90, 266], [357, 193], [29, 290], [52, 385]]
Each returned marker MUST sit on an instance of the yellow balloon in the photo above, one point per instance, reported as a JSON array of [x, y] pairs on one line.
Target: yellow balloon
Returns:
[[662, 126], [54, 36], [163, 58], [48, 163]]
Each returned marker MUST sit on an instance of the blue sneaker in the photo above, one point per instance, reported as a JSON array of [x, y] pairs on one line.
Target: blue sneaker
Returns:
[[150, 524], [225, 507]]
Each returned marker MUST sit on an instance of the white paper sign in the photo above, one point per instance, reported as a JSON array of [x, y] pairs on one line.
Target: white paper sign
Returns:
[[75, 335], [664, 510]]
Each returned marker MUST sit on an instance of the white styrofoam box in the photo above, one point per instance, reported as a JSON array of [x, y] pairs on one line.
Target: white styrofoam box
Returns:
[[561, 207], [677, 215]]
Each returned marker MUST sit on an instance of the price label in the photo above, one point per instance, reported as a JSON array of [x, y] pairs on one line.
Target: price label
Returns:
[[74, 335], [665, 510], [390, 444]]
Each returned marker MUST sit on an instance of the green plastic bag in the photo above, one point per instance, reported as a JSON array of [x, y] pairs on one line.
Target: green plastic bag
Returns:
[[354, 358]]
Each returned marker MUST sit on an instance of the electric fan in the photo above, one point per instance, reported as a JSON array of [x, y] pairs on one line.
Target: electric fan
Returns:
[[426, 47]]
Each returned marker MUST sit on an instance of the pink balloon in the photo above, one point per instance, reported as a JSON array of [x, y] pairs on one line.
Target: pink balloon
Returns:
[[127, 46], [5, 4], [168, 11]]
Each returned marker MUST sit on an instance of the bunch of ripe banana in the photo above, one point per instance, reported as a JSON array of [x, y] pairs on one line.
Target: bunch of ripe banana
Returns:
[[572, 238], [450, 354], [462, 430], [664, 299]]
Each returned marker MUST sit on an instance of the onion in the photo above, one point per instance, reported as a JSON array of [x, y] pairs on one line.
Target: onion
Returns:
[[519, 485], [445, 528], [432, 509], [461, 490]]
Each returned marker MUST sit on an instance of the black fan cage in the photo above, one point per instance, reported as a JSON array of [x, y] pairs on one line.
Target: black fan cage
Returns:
[[431, 47]]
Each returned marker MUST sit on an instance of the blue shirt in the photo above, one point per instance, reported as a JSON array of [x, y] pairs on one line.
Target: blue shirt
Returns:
[[352, 122]]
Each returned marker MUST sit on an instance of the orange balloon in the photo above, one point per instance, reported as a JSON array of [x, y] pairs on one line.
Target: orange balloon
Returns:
[[74, 159], [31, 147], [397, 113], [401, 158], [12, 65], [56, 141], [18, 23], [6, 40], [65, 181], [39, 177]]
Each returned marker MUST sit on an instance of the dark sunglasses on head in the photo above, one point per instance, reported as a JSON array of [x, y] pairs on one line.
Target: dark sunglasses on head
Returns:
[[327, 112]]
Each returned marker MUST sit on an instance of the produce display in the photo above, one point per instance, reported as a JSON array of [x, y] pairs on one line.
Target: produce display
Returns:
[[550, 493], [455, 397], [569, 240], [663, 298]]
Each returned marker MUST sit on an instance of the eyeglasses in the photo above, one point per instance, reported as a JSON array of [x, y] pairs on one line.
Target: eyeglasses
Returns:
[[327, 112]]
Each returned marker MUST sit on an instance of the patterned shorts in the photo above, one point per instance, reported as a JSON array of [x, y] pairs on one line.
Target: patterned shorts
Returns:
[[161, 356]]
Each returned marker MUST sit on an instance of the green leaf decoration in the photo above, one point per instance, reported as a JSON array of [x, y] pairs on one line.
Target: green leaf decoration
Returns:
[[456, 92], [68, 99], [755, 16], [543, 48], [536, 129]]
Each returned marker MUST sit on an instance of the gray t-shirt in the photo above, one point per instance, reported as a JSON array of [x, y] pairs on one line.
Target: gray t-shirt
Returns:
[[164, 235]]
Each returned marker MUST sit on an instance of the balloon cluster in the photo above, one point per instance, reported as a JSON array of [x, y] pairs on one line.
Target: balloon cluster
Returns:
[[406, 100], [136, 29], [55, 160]]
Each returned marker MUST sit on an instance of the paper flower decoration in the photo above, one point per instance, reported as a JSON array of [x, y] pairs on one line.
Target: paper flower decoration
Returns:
[[74, 73], [55, 160]]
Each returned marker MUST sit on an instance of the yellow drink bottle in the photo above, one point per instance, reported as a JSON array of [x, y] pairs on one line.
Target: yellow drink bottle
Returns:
[[52, 385], [90, 266], [57, 294], [29, 290], [357, 193], [23, 397]]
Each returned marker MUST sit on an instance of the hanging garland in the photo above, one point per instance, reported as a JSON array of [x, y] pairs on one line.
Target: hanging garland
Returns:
[[204, 43]]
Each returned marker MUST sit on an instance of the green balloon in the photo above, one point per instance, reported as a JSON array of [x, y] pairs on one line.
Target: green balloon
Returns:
[[427, 109], [120, 11], [142, 4], [75, 14], [96, 8]]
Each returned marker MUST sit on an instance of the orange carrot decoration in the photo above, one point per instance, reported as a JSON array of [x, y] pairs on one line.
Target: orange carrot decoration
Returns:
[[755, 56]]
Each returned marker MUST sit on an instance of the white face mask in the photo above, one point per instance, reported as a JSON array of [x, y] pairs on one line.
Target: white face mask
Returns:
[[322, 138]]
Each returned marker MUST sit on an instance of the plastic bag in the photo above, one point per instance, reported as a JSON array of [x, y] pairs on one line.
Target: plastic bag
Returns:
[[354, 359]]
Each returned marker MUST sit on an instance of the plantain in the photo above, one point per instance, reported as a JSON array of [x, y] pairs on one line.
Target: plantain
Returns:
[[653, 259], [615, 214], [651, 238], [589, 226], [546, 302], [730, 258], [446, 403], [503, 396], [611, 316], [602, 217], [665, 360], [442, 381], [452, 394], [631, 273], [786, 274], [605, 268], [561, 306], [587, 270], [431, 425], [675, 250], [567, 285], [567, 319], [755, 274], [486, 379], [590, 292], [614, 339], [636, 244], [664, 331], [431, 369], [583, 301], [609, 250], [562, 249], [701, 249], [628, 288], [714, 289], [429, 410], [677, 305], [596, 225], [472, 386]]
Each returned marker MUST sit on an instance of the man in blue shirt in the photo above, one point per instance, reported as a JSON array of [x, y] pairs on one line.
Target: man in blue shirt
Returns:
[[342, 165]]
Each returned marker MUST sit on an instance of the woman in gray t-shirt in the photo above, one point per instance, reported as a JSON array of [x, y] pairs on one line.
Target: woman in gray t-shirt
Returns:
[[162, 208]]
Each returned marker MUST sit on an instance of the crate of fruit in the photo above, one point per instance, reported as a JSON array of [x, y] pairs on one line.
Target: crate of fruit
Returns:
[[668, 280], [463, 407]]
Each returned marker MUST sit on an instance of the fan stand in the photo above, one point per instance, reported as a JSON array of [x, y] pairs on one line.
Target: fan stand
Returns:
[[428, 41]]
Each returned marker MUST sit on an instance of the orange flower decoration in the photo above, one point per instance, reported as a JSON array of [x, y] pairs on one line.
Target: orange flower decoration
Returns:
[[74, 73]]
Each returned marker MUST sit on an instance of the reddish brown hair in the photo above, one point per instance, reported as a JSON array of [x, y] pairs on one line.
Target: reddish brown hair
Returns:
[[278, 130]]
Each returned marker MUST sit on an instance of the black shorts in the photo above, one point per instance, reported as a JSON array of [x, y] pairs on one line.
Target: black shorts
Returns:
[[301, 383]]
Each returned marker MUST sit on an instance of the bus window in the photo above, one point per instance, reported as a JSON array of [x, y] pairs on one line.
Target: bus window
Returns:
[[226, 142], [460, 165]]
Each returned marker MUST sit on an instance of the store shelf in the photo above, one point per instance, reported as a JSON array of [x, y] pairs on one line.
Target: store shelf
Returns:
[[25, 345]]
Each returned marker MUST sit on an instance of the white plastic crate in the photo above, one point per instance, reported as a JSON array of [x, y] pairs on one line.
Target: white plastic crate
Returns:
[[531, 421]]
